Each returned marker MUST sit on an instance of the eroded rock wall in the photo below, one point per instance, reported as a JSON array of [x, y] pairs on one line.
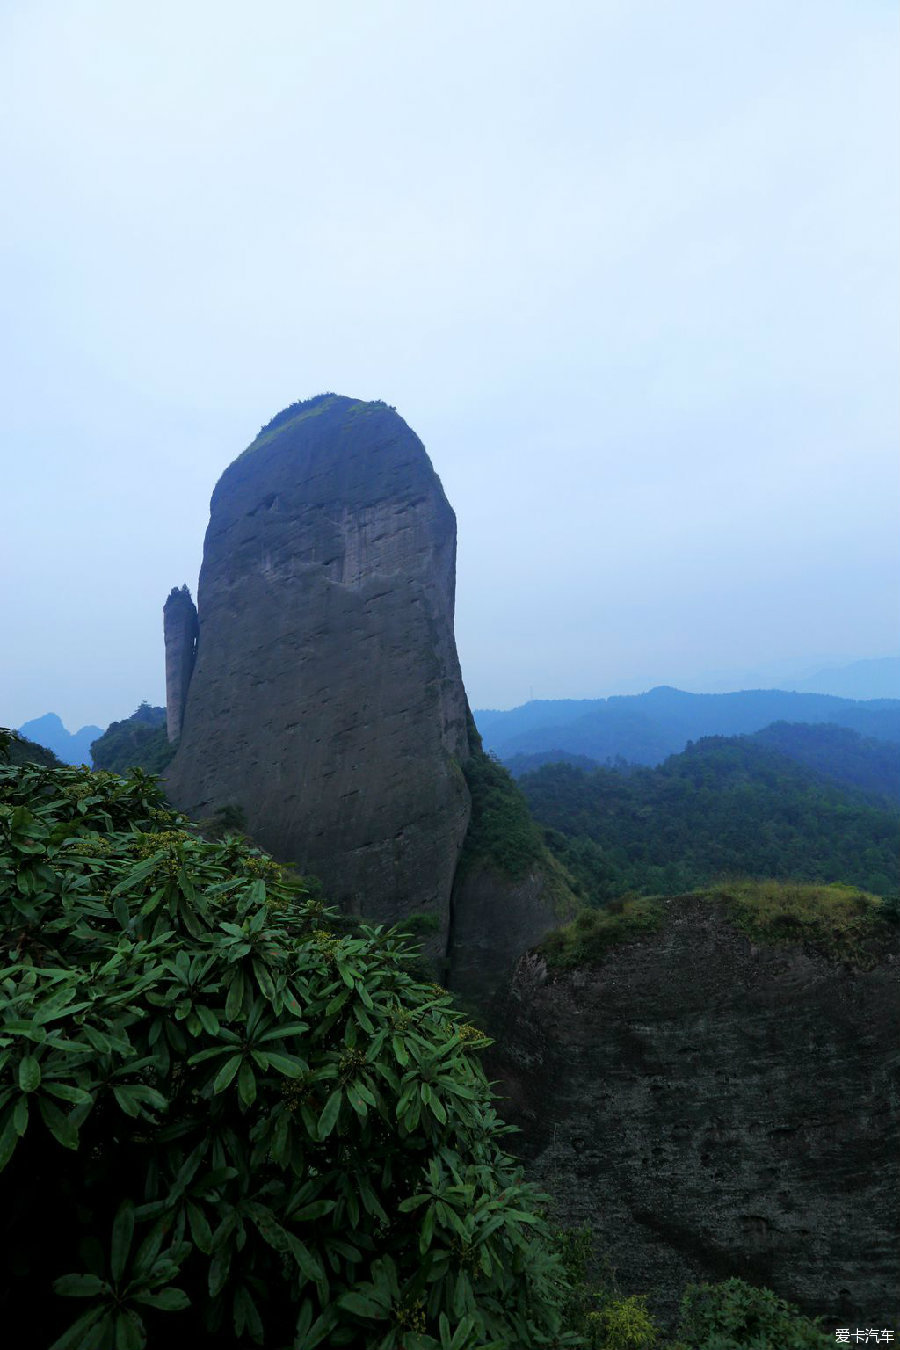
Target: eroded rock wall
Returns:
[[711, 1107], [327, 700]]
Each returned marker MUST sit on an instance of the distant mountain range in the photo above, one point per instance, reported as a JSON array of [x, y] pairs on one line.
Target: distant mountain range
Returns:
[[860, 680], [70, 747], [647, 728]]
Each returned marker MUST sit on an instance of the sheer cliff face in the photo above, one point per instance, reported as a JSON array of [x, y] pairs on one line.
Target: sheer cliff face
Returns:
[[711, 1108], [326, 700]]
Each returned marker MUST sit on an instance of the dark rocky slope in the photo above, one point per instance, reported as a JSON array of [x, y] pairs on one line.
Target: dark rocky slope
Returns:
[[711, 1106]]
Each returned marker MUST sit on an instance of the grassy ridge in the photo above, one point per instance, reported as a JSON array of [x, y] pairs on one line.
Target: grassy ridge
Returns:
[[843, 923]]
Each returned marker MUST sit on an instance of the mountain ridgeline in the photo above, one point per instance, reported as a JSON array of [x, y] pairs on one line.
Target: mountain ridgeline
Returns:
[[646, 728], [71, 747]]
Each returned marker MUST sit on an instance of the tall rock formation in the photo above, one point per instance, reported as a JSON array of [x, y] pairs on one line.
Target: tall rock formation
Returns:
[[180, 631], [326, 700]]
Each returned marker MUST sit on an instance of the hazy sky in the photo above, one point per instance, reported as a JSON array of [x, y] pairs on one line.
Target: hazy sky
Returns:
[[628, 267]]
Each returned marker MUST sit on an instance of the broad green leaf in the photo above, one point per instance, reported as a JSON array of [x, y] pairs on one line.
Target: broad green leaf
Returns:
[[235, 999], [427, 1231], [76, 1338], [246, 1314], [167, 1300], [200, 1229], [363, 1306], [412, 1202], [246, 1084], [67, 1092], [59, 1125], [97, 1039], [356, 1101], [208, 1020], [127, 1100], [227, 1073], [287, 1065], [307, 1263], [219, 1267], [122, 1233], [129, 1331], [400, 1051], [20, 1116], [322, 1327], [312, 1211], [8, 1140], [29, 1074], [80, 1286], [329, 1115], [463, 1332]]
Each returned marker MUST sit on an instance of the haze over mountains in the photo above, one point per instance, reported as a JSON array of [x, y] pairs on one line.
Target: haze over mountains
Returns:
[[71, 747], [646, 728], [861, 679]]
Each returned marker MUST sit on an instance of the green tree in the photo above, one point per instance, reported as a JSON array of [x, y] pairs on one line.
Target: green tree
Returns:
[[224, 1122]]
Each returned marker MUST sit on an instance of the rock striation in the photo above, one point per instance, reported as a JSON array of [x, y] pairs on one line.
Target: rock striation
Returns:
[[711, 1107], [327, 700]]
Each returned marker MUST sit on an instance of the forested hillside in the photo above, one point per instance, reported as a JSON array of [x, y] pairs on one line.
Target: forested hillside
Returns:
[[138, 741], [855, 761], [722, 807], [837, 753]]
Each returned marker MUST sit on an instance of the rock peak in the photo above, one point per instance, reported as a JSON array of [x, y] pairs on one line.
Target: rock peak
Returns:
[[327, 699]]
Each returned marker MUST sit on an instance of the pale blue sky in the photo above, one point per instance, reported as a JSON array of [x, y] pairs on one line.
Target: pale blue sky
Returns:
[[628, 268]]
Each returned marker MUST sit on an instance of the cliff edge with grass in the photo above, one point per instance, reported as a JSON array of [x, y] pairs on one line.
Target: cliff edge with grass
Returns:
[[708, 1082]]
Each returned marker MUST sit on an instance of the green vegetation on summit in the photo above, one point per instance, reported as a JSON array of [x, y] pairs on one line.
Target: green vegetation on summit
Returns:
[[222, 1120], [137, 742], [843, 923], [19, 750], [724, 807]]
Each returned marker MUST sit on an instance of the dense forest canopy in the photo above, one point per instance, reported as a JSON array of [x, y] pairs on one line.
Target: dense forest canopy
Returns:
[[722, 807], [138, 741]]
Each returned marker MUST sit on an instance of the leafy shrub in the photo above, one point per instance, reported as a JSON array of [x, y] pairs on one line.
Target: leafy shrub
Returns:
[[594, 931], [622, 1324], [603, 1318], [734, 1315], [222, 1122], [420, 923]]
